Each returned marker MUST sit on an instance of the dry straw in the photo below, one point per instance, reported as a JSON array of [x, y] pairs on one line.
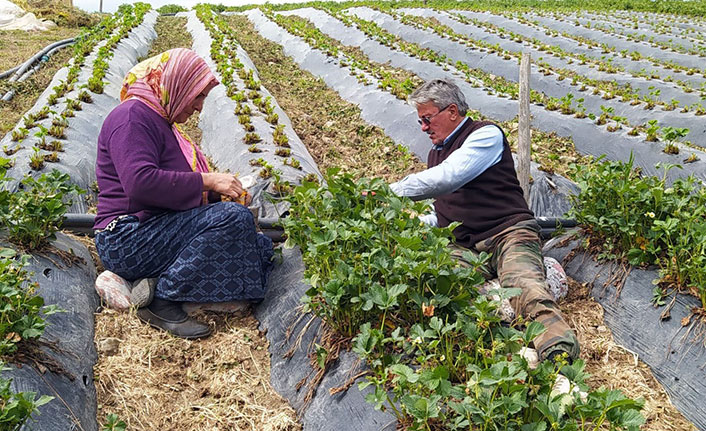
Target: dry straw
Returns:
[[154, 381], [613, 366]]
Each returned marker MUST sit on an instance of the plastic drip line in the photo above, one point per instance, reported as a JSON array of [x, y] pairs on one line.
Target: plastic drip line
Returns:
[[25, 70], [37, 56], [83, 223], [9, 72]]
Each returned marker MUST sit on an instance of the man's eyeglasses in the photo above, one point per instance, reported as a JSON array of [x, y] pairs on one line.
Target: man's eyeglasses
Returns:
[[427, 120]]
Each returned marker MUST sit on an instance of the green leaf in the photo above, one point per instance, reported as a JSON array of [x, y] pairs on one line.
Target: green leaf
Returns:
[[7, 253], [533, 330]]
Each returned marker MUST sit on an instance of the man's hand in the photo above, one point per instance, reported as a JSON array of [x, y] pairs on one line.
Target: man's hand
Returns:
[[225, 184]]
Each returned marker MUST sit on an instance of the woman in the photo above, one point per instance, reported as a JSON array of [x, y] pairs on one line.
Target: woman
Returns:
[[152, 219]]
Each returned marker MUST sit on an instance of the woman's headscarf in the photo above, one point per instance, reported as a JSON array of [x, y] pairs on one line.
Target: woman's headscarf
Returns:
[[169, 83]]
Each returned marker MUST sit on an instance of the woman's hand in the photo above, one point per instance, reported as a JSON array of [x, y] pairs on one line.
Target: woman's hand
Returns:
[[225, 184]]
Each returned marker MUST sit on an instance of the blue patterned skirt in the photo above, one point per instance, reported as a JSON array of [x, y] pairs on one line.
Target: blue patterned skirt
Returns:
[[207, 254]]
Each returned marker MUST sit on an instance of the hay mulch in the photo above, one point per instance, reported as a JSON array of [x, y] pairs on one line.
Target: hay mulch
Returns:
[[614, 367], [154, 381]]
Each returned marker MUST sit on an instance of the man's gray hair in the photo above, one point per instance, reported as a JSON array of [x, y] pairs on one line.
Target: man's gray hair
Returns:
[[441, 94]]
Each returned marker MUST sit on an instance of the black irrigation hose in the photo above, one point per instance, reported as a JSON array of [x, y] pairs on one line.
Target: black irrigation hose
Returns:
[[83, 224], [555, 223]]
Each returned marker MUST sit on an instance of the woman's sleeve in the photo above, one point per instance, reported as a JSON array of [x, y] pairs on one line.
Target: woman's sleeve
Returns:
[[134, 150]]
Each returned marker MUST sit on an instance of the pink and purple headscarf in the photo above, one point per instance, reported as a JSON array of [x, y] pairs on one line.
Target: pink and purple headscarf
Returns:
[[169, 83]]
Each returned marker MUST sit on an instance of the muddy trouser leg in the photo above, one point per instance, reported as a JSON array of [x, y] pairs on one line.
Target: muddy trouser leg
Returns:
[[517, 257]]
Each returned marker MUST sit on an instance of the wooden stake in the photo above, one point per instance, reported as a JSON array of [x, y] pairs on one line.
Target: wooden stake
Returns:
[[524, 136]]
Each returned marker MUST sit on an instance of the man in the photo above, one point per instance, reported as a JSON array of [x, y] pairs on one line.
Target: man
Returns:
[[472, 177]]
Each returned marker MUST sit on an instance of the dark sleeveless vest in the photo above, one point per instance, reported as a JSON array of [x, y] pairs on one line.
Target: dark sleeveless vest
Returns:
[[486, 205]]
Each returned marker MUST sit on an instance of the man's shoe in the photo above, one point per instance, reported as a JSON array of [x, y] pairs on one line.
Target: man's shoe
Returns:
[[142, 292], [169, 316]]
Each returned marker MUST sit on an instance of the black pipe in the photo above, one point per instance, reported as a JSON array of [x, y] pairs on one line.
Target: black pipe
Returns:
[[554, 222], [83, 224]]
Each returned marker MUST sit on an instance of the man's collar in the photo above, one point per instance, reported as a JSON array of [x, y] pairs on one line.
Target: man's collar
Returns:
[[451, 135]]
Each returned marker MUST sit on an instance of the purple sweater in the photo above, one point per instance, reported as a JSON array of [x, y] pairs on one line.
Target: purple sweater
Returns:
[[140, 168]]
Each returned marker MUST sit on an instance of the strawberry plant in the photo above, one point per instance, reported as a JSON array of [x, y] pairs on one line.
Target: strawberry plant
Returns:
[[282, 187], [85, 96], [95, 85], [606, 113], [52, 157], [673, 135], [29, 121], [51, 146], [113, 422], [42, 113], [311, 178], [73, 104], [266, 171], [10, 151], [57, 132], [17, 408], [272, 118], [296, 164], [21, 316], [565, 106], [60, 121], [19, 134], [240, 96], [279, 137], [439, 357], [251, 138], [244, 119], [33, 214], [242, 109], [652, 130], [644, 221], [283, 152], [42, 134], [692, 158]]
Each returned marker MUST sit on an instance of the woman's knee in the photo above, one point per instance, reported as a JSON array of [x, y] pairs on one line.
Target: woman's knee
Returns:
[[231, 214]]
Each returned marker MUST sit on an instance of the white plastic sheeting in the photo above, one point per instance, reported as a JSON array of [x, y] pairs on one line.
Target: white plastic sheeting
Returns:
[[548, 85], [13, 17], [79, 156], [223, 135], [587, 137]]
